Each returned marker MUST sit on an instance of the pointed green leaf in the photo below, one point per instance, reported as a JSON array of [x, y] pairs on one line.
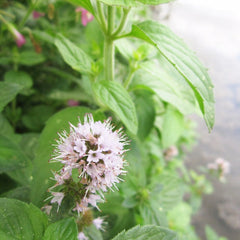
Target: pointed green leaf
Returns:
[[74, 55], [64, 229], [133, 3], [20, 221], [30, 58], [146, 232], [167, 84], [8, 92], [115, 96], [183, 60], [11, 156], [41, 166]]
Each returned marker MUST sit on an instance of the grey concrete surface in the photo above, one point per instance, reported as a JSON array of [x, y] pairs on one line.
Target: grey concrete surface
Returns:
[[212, 29]]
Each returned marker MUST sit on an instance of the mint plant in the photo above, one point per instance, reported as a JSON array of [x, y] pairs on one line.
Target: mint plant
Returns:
[[94, 128]]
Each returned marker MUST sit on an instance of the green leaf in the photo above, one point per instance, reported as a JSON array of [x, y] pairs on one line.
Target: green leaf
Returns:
[[11, 155], [167, 84], [8, 92], [172, 128], [172, 191], [5, 127], [85, 4], [145, 113], [23, 79], [20, 221], [93, 233], [64, 229], [41, 166], [180, 217], [74, 55], [146, 232], [154, 2], [122, 3], [183, 60], [115, 96], [30, 58], [19, 193], [134, 3], [36, 117]]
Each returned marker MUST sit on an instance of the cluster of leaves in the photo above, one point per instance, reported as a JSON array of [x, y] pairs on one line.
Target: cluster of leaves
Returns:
[[158, 82]]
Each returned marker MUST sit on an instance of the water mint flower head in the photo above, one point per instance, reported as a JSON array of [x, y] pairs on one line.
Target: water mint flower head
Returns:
[[86, 16], [94, 152]]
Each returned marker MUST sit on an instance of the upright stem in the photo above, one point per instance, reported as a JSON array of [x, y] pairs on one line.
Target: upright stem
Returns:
[[109, 48], [109, 58]]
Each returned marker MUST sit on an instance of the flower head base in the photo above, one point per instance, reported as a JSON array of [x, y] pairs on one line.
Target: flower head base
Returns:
[[221, 167], [93, 152], [86, 16]]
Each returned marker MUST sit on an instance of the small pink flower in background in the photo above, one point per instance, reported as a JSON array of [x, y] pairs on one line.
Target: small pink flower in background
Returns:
[[221, 166], [37, 15], [170, 153], [72, 103], [86, 16], [19, 38], [57, 197]]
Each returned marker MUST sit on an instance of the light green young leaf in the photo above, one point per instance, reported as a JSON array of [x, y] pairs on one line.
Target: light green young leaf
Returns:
[[20, 221], [172, 191], [41, 166], [173, 127], [134, 3], [183, 60], [85, 4], [167, 84], [74, 55], [64, 229], [115, 96], [30, 58], [147, 232], [8, 92]]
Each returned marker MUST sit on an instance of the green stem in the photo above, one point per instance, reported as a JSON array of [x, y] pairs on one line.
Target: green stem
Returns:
[[111, 19], [123, 22], [102, 19], [29, 11], [109, 58], [109, 48], [133, 68]]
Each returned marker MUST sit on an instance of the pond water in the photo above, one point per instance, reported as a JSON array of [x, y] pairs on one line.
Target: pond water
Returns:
[[211, 28]]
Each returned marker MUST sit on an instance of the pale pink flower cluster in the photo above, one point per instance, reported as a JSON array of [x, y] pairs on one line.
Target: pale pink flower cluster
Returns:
[[96, 151], [170, 153], [221, 166]]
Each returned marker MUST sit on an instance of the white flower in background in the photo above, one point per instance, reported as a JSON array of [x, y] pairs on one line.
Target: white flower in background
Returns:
[[81, 236], [221, 166], [57, 197], [96, 151]]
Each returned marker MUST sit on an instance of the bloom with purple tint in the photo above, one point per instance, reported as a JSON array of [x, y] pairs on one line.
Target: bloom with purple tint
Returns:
[[37, 15], [95, 152], [86, 16]]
